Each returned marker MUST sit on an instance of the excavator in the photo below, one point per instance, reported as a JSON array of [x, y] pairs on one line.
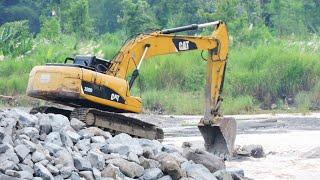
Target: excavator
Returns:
[[97, 92]]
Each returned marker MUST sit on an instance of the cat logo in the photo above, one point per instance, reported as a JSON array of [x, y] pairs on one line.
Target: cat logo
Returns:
[[183, 45], [115, 97], [88, 89]]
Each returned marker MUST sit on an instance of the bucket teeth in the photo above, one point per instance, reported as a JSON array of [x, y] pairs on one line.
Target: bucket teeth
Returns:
[[219, 137]]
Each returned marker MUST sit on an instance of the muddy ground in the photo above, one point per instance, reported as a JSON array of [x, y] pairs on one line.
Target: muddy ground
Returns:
[[286, 139]]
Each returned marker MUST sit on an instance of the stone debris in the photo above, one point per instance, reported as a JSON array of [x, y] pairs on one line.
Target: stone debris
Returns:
[[252, 150], [48, 146]]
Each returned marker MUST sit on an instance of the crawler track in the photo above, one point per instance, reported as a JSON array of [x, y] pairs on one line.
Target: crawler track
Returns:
[[114, 122]]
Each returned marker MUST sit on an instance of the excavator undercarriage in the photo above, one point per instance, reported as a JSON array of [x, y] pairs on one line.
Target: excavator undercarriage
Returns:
[[113, 122]]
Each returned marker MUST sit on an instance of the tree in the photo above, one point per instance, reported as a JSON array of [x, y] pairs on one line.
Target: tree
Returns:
[[105, 15], [74, 18], [137, 17], [50, 28]]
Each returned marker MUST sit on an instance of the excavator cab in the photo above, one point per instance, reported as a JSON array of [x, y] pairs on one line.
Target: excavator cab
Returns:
[[90, 62]]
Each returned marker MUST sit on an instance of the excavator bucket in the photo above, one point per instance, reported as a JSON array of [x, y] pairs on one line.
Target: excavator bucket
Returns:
[[220, 136]]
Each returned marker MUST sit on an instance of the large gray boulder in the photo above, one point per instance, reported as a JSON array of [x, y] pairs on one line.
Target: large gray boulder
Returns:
[[4, 148], [169, 165], [6, 165], [22, 151], [130, 169], [53, 170], [32, 132], [56, 121], [148, 163], [87, 175], [25, 167], [133, 157], [54, 137], [81, 163], [83, 145], [94, 131], [6, 177], [24, 119], [210, 161], [253, 150], [75, 137], [12, 173], [167, 177], [38, 156], [122, 144], [77, 124], [197, 171], [152, 174], [43, 172], [30, 145], [223, 175], [25, 175], [98, 139], [115, 148], [96, 159], [112, 172], [154, 145], [10, 155], [64, 158]]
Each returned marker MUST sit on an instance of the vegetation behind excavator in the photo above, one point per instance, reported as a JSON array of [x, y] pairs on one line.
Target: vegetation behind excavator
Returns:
[[98, 91]]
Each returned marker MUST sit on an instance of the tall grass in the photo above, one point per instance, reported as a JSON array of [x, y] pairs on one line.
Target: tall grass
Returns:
[[256, 76]]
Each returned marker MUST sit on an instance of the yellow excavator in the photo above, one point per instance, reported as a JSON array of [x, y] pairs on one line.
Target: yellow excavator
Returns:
[[97, 92]]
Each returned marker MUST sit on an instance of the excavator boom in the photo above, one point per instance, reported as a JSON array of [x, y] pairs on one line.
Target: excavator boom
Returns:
[[99, 91]]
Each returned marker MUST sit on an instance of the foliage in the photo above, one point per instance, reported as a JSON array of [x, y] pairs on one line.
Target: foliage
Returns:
[[137, 17], [15, 38], [274, 47], [238, 105], [303, 101], [50, 29], [75, 18]]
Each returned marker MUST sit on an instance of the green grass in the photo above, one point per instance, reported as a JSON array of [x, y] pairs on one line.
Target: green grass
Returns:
[[257, 76]]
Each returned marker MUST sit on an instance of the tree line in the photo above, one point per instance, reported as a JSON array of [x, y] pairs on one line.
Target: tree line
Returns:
[[88, 18]]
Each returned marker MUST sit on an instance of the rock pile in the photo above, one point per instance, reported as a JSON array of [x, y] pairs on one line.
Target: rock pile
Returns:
[[48, 146]]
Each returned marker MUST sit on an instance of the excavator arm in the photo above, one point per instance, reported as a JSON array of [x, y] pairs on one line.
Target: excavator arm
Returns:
[[218, 132], [145, 46]]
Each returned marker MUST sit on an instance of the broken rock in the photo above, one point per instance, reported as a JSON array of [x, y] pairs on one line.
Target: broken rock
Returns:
[[253, 150], [42, 172], [22, 151], [96, 159], [210, 161], [152, 174], [197, 171], [130, 169], [77, 124], [169, 165], [81, 163]]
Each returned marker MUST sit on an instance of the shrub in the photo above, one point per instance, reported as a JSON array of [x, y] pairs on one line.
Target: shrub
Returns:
[[50, 28], [15, 38]]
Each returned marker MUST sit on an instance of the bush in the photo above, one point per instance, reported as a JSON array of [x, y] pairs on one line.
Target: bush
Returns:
[[15, 38], [238, 105], [50, 28], [303, 101], [269, 72]]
